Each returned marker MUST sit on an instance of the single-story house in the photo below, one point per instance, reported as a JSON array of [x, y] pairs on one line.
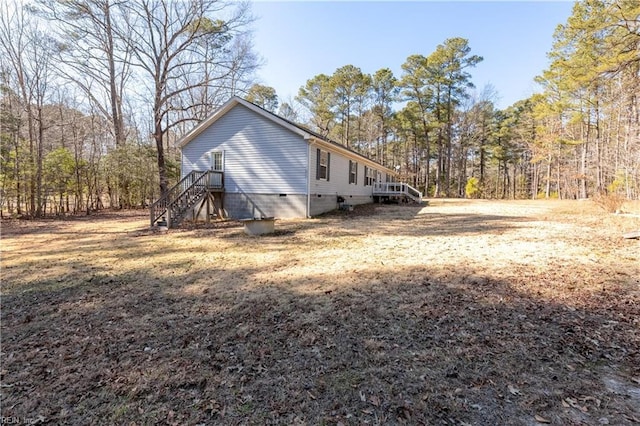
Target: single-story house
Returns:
[[257, 164]]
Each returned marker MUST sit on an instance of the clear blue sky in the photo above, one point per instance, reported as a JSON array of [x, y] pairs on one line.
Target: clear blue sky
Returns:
[[300, 39]]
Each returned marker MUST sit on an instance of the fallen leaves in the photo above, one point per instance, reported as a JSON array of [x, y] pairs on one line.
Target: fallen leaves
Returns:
[[580, 403], [514, 391], [374, 400], [469, 321], [541, 419]]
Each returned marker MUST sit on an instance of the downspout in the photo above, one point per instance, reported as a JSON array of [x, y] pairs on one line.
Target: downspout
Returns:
[[308, 140]]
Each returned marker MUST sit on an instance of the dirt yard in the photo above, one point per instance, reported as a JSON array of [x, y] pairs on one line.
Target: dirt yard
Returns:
[[456, 313]]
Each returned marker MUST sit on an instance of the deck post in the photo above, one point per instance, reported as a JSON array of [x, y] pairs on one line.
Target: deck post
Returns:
[[208, 205]]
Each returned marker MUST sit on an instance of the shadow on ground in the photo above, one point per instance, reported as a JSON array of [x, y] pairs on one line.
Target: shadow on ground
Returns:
[[86, 341], [418, 347]]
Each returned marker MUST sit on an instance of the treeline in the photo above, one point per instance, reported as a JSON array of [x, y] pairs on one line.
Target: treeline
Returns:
[[424, 140], [578, 138], [588, 115], [93, 93]]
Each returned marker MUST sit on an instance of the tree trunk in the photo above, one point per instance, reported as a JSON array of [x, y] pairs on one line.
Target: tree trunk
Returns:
[[583, 162], [599, 177], [158, 137], [558, 177], [547, 191], [482, 162], [39, 157], [17, 175], [513, 184], [447, 163], [115, 100], [535, 182]]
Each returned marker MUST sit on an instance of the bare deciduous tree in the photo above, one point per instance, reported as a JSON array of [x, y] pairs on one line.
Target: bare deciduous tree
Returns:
[[171, 40]]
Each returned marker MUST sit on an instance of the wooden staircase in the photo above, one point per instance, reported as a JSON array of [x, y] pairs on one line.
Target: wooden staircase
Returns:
[[173, 206]]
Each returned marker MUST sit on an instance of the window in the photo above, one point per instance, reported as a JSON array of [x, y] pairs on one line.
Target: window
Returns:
[[368, 176], [323, 164], [353, 172], [217, 161]]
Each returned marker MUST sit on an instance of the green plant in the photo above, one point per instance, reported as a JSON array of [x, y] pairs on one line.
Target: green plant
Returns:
[[472, 188], [552, 195], [618, 183]]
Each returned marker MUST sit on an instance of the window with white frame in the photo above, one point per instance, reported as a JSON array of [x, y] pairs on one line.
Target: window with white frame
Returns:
[[368, 176], [353, 172], [323, 164], [217, 161]]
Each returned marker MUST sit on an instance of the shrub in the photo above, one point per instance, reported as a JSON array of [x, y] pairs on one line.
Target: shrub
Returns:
[[611, 203], [552, 195], [472, 188], [618, 183]]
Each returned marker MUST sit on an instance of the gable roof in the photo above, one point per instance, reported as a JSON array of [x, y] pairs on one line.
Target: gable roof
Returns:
[[303, 132]]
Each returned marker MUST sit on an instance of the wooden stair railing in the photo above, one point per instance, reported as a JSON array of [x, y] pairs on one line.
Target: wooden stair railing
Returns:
[[182, 196], [413, 193], [397, 188]]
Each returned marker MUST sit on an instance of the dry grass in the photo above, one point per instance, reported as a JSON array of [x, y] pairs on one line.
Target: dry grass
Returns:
[[460, 312], [611, 203]]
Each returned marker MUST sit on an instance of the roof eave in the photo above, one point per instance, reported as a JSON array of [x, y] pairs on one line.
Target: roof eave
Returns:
[[349, 153], [229, 105]]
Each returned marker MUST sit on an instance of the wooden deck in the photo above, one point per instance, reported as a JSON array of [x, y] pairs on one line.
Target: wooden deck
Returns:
[[396, 189]]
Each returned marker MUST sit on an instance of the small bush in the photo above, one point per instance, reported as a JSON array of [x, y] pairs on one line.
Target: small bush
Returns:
[[472, 187], [611, 203], [553, 195], [618, 183]]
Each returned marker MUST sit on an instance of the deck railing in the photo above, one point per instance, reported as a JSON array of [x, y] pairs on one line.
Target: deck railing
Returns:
[[215, 180], [183, 195], [396, 188]]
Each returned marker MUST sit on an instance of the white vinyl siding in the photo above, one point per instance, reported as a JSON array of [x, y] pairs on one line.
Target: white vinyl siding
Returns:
[[339, 183], [260, 156], [272, 168]]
